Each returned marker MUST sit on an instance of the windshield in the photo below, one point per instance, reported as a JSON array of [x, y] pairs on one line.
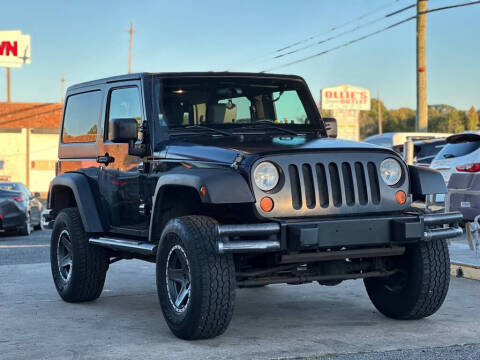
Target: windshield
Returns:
[[234, 103]]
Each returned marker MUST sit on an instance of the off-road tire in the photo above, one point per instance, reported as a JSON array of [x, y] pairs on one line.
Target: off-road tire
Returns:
[[212, 279], [27, 228], [420, 289], [89, 263]]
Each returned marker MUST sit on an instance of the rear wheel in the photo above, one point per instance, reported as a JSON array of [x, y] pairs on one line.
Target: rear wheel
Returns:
[[26, 229], [196, 285], [78, 268], [420, 287]]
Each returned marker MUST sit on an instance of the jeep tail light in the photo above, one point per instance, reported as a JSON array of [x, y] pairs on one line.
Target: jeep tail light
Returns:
[[18, 198], [475, 167]]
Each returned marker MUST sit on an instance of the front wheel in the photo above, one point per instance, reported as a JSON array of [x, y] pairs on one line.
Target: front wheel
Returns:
[[196, 285], [78, 268], [419, 288]]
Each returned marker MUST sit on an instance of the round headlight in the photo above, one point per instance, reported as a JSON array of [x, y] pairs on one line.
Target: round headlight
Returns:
[[390, 171], [266, 176]]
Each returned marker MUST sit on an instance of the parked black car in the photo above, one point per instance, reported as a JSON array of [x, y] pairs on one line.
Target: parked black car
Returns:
[[229, 180], [20, 210]]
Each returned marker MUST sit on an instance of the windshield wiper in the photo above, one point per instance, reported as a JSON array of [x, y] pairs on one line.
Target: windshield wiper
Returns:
[[263, 125], [201, 127]]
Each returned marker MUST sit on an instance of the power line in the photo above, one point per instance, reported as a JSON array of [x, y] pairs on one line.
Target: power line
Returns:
[[299, 42], [27, 109], [358, 27], [369, 35], [338, 26], [451, 7], [30, 116]]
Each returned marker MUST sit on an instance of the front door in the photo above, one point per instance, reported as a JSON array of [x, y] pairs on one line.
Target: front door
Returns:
[[120, 181]]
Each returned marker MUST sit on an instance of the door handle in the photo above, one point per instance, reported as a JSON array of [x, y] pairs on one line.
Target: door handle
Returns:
[[105, 159]]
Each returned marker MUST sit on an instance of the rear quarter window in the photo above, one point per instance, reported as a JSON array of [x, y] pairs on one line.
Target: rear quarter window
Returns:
[[81, 119], [457, 150]]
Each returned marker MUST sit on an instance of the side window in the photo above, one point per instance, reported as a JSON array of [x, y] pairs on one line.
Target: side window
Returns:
[[124, 103], [81, 117]]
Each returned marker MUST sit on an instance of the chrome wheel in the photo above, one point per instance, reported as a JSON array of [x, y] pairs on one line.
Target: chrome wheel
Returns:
[[65, 255], [178, 278]]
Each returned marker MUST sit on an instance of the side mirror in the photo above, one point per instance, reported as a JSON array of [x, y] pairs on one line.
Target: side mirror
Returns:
[[331, 127], [36, 194], [124, 130]]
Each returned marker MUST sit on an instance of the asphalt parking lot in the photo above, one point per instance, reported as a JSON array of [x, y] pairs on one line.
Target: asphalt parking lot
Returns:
[[275, 322]]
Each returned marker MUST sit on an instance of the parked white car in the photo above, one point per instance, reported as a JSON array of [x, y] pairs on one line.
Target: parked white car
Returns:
[[391, 139], [460, 154]]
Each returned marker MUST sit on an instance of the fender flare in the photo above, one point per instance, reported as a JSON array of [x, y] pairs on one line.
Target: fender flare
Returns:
[[425, 181], [224, 186], [84, 196]]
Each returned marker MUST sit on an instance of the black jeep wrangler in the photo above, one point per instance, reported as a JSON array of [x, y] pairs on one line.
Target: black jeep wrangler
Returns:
[[229, 180]]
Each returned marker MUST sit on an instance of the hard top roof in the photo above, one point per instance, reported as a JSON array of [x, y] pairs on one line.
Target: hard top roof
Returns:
[[138, 76]]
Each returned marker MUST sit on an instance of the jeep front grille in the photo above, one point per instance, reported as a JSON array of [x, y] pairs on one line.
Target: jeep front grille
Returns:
[[331, 183], [330, 187]]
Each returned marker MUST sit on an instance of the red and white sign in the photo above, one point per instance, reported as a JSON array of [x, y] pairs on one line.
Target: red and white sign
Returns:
[[14, 49], [345, 97]]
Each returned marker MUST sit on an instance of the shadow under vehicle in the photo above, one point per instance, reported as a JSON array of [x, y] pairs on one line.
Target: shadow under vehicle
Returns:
[[229, 180]]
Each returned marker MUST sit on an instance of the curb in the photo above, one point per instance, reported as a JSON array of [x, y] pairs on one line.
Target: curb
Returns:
[[468, 271]]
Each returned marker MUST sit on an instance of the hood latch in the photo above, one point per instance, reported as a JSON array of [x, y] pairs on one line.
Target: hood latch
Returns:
[[238, 159]]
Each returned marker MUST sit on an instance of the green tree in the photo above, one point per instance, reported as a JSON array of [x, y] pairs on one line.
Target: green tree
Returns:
[[472, 119], [369, 119]]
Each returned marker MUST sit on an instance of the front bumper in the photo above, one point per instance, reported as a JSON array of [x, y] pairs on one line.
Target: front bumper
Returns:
[[297, 235], [46, 219]]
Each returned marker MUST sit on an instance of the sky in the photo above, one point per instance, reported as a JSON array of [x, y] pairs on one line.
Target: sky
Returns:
[[86, 40]]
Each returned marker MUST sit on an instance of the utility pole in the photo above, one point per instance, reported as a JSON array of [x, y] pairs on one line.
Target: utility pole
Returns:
[[27, 158], [8, 84], [62, 81], [130, 31], [379, 114], [421, 123]]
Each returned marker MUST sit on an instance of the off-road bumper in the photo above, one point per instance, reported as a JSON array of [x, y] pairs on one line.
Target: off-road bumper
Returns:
[[295, 235]]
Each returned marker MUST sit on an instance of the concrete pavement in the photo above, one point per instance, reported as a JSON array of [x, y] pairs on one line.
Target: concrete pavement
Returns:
[[278, 321], [15, 249]]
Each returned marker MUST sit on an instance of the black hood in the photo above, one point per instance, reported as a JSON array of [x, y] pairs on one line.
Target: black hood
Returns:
[[225, 149]]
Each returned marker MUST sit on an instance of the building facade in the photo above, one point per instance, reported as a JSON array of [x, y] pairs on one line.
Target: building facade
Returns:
[[29, 135]]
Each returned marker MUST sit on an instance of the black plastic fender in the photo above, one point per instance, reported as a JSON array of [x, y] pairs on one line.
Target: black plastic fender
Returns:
[[425, 181], [84, 197], [224, 185]]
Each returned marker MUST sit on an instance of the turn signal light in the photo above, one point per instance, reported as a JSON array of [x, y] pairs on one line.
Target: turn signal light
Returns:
[[401, 197], [469, 168], [203, 190], [266, 204]]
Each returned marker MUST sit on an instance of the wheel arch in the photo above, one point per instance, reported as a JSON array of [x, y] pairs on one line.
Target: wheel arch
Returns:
[[178, 191], [74, 190], [425, 181]]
